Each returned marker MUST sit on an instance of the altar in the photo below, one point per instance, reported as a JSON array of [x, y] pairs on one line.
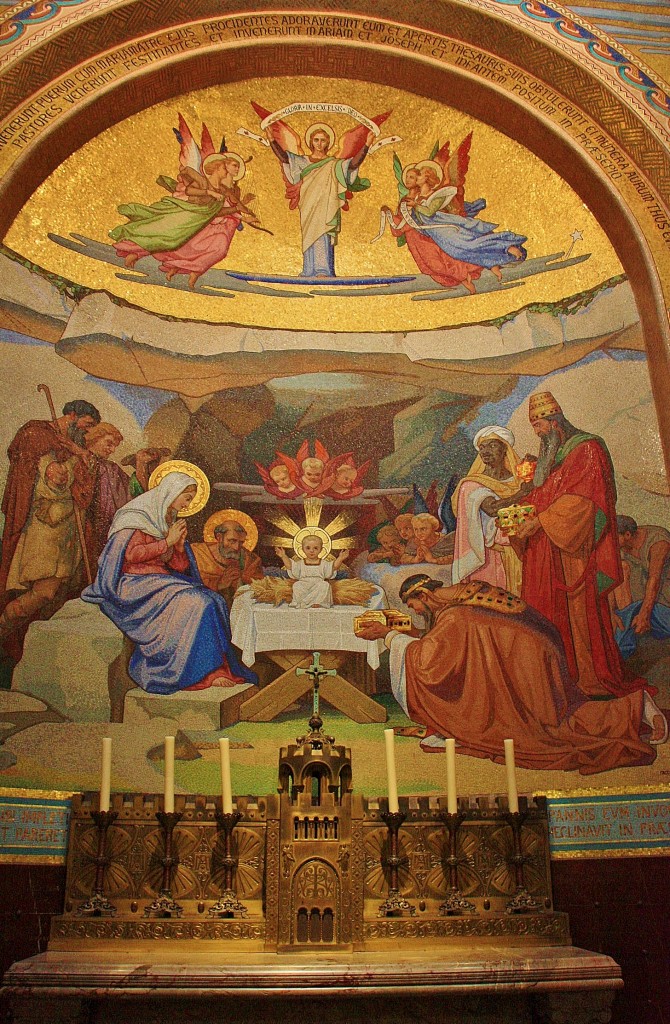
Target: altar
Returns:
[[311, 903]]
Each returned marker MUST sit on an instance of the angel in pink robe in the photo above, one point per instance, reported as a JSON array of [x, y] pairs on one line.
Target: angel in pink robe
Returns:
[[191, 230]]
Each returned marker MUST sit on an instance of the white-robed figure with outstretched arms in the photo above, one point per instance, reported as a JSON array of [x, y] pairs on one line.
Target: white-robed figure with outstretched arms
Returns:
[[148, 584], [319, 184]]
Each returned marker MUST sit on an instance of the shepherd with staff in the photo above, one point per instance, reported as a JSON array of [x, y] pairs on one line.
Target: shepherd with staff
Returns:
[[43, 542]]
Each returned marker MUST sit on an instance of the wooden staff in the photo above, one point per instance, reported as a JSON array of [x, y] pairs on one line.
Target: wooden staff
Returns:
[[77, 512]]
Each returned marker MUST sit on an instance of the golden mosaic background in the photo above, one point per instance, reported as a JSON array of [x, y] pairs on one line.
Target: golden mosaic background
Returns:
[[122, 163]]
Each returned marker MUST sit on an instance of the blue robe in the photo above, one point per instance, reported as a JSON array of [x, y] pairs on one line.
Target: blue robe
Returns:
[[470, 240], [181, 630]]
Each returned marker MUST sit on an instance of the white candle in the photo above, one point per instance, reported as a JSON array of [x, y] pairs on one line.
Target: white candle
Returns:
[[168, 804], [452, 802], [226, 786], [106, 773], [512, 795], [394, 806]]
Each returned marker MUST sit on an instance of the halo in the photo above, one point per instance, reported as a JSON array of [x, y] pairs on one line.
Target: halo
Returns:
[[410, 167], [312, 531], [217, 157], [436, 167], [319, 126], [232, 515], [202, 483]]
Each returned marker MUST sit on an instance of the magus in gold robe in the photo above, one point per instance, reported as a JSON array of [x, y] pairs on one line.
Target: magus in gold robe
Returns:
[[491, 668]]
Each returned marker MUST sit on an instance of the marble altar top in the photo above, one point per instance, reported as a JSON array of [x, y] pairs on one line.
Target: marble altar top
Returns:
[[467, 969]]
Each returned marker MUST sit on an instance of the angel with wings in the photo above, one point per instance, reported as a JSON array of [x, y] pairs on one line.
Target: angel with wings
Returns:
[[277, 479], [189, 231], [343, 479], [319, 184], [442, 231], [314, 475]]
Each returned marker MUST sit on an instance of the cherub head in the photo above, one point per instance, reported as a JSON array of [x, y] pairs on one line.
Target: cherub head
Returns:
[[281, 477], [426, 528], [403, 524], [311, 472], [390, 539], [312, 547], [345, 478]]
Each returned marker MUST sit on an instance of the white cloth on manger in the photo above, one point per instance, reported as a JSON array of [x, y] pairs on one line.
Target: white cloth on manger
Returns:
[[257, 626]]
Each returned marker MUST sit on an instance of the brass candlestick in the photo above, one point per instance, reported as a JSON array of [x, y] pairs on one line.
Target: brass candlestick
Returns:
[[164, 905], [455, 902], [521, 902], [228, 904], [97, 905], [394, 905]]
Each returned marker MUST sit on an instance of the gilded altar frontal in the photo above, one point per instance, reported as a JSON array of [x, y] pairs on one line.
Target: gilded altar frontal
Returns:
[[335, 340]]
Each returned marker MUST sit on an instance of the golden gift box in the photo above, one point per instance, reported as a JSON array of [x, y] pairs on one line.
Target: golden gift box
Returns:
[[390, 617], [510, 519]]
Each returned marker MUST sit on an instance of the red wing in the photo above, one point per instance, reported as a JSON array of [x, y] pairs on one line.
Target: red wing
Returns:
[[302, 453], [261, 111], [442, 155], [431, 499], [362, 470], [264, 475], [206, 144], [353, 141], [280, 132], [291, 465], [321, 452], [456, 171], [189, 154], [392, 511]]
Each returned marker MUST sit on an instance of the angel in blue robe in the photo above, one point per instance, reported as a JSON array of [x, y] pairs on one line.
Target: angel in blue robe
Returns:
[[442, 230], [148, 584]]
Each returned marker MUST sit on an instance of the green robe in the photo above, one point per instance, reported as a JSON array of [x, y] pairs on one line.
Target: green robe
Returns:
[[165, 225]]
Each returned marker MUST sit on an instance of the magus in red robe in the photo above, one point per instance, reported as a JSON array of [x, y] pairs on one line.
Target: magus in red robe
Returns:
[[572, 562]]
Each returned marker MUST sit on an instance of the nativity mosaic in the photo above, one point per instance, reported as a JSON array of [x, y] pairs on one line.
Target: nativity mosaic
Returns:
[[230, 456]]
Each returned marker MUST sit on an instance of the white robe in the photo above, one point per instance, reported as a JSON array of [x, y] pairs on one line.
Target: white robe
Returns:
[[319, 202], [311, 585]]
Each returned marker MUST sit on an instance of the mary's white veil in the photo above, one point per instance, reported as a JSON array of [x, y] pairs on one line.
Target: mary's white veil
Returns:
[[148, 512]]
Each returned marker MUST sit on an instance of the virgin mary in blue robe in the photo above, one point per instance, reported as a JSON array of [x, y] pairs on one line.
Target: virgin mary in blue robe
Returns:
[[181, 630]]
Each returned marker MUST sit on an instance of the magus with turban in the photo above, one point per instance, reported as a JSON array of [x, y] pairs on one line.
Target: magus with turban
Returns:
[[481, 551]]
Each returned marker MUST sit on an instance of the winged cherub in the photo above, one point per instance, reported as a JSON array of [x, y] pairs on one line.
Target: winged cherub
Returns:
[[190, 230], [442, 232], [278, 481], [342, 479], [319, 184]]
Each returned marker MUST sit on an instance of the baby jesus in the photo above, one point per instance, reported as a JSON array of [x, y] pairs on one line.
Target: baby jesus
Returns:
[[311, 574]]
